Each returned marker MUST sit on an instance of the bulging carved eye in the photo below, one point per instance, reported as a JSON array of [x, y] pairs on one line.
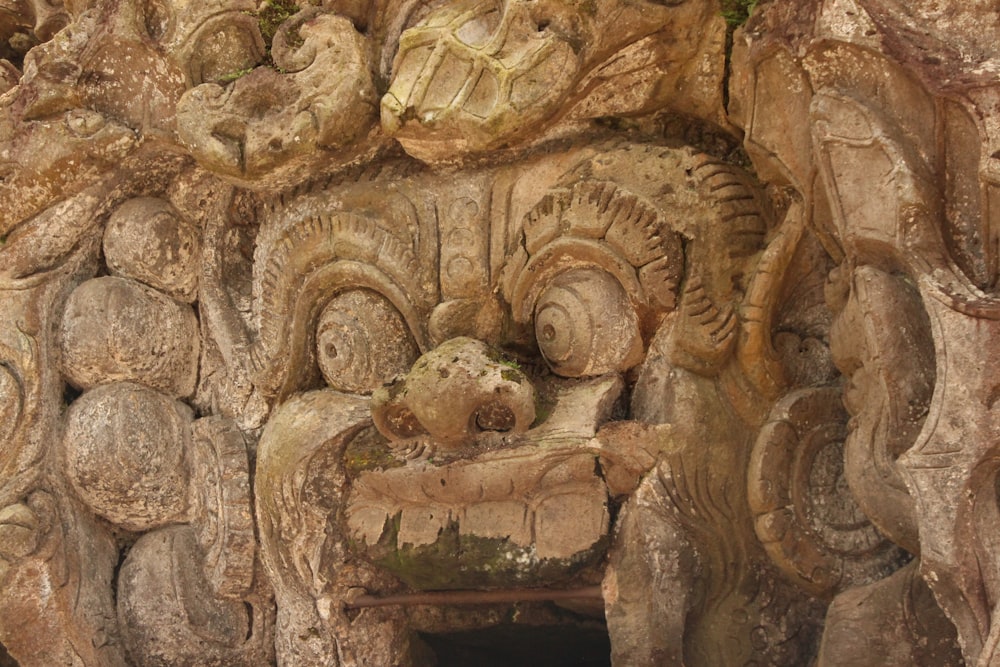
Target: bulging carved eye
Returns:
[[585, 325], [362, 342]]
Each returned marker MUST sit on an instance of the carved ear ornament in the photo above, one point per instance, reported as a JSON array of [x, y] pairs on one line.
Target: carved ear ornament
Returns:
[[222, 507], [814, 532], [315, 258]]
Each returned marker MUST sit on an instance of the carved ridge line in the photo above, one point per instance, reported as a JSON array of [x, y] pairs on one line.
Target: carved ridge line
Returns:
[[304, 249]]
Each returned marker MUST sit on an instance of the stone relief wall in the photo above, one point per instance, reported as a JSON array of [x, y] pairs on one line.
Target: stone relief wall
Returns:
[[342, 333]]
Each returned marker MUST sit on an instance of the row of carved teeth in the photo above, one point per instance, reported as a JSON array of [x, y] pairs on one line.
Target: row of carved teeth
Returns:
[[537, 521]]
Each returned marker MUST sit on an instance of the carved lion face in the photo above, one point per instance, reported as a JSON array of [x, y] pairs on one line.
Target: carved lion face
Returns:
[[462, 340]]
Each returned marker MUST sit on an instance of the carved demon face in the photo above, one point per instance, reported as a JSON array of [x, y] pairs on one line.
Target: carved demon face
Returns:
[[475, 338]]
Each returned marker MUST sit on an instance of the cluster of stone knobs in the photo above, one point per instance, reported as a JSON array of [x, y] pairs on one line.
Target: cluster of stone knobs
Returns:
[[132, 449]]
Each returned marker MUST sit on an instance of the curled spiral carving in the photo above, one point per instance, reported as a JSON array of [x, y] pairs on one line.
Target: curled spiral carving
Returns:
[[585, 325], [362, 342], [600, 224], [309, 261], [804, 512]]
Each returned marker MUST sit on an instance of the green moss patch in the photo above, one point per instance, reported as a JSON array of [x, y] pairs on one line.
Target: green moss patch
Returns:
[[369, 450], [457, 561], [736, 12], [272, 15]]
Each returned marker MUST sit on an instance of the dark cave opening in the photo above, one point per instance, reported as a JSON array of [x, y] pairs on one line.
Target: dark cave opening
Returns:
[[519, 645], [5, 659]]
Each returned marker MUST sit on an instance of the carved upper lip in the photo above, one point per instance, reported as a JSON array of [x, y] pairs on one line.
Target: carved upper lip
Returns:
[[520, 476]]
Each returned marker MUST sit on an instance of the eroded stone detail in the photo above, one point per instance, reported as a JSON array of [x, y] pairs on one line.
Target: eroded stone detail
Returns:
[[478, 298], [914, 293], [103, 319], [252, 128]]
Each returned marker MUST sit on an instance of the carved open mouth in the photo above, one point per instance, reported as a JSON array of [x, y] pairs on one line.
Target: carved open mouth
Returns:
[[508, 508]]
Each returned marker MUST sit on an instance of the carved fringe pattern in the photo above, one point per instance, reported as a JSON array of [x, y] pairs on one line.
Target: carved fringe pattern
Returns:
[[737, 201], [597, 222], [741, 211], [311, 260]]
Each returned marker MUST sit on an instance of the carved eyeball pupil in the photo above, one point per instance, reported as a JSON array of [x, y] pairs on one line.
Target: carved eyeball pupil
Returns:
[[362, 342], [495, 416], [342, 347], [557, 321], [585, 324]]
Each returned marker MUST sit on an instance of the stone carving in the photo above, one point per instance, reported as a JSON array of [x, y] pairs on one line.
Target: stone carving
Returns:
[[336, 333], [917, 258], [251, 128], [103, 319], [470, 77]]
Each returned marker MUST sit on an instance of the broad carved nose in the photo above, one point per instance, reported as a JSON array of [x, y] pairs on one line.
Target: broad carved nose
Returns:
[[454, 393]]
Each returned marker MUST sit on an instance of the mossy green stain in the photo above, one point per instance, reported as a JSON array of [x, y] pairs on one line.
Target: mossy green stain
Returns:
[[511, 375], [544, 405], [269, 20], [457, 561], [736, 12], [369, 451], [232, 76], [395, 389], [272, 15]]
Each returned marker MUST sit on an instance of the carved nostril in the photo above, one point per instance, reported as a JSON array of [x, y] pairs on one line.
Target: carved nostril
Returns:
[[495, 416], [453, 393], [401, 421]]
